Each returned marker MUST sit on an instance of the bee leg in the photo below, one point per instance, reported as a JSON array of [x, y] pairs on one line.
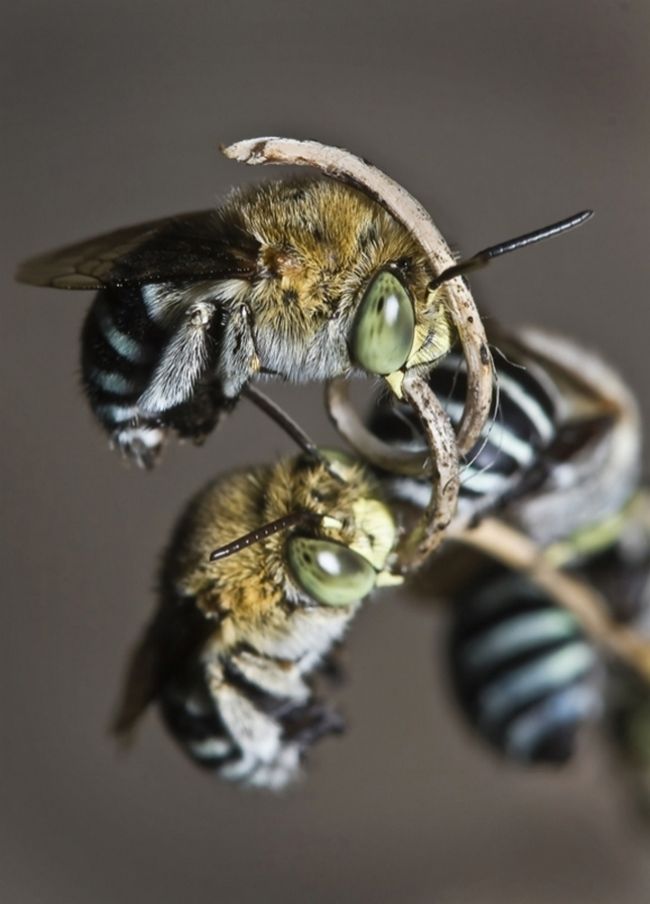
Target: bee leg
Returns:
[[265, 759], [238, 360], [187, 358]]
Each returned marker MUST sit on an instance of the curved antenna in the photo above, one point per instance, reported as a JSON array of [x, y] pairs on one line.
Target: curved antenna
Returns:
[[521, 241], [261, 533]]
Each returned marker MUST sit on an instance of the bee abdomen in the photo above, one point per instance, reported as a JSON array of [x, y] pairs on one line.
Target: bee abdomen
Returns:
[[523, 672], [521, 425], [192, 719], [120, 344], [212, 730]]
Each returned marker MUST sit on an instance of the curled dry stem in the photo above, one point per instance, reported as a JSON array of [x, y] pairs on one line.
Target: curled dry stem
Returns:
[[347, 167], [369, 447], [518, 552], [430, 529], [441, 466]]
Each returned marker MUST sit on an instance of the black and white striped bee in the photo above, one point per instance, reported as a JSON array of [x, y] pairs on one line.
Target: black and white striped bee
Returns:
[[526, 676], [560, 460], [561, 448], [304, 279], [523, 672], [242, 633], [522, 425]]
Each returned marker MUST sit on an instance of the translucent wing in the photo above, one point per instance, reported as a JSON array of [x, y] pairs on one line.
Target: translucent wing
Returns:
[[172, 636], [189, 247]]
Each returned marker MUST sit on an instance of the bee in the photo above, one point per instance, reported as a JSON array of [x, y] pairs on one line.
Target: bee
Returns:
[[561, 448], [524, 674], [242, 631], [559, 460], [302, 279], [521, 427]]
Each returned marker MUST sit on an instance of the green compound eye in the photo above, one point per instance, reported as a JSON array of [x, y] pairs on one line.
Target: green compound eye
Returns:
[[329, 572], [383, 330]]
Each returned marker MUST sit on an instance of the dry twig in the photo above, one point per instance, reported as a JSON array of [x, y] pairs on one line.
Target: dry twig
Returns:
[[375, 451], [429, 531]]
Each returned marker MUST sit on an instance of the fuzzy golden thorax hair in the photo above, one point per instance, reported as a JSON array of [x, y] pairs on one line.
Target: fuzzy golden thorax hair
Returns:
[[320, 243], [254, 587]]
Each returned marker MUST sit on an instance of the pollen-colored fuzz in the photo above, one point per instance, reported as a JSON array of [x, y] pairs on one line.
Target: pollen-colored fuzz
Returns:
[[253, 587], [321, 242]]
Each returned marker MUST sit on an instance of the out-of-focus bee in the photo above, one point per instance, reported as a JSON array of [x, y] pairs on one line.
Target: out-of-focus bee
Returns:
[[560, 450], [523, 672], [241, 633], [559, 460], [305, 279]]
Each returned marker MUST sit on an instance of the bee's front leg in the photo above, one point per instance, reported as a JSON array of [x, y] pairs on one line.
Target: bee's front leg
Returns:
[[265, 759]]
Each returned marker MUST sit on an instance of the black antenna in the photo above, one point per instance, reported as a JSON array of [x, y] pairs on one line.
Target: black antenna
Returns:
[[521, 241], [290, 427], [261, 533]]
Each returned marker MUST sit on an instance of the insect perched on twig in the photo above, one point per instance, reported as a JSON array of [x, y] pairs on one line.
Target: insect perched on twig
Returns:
[[303, 279], [243, 630], [525, 671], [558, 465]]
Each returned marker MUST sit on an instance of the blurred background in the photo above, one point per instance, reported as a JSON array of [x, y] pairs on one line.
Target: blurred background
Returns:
[[499, 117]]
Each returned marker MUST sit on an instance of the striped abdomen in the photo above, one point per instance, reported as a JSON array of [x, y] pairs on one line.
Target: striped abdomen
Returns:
[[524, 674], [283, 729], [124, 337], [521, 425]]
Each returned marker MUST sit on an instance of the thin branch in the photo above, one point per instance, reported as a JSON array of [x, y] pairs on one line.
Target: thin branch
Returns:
[[369, 447], [343, 165], [440, 465], [430, 529]]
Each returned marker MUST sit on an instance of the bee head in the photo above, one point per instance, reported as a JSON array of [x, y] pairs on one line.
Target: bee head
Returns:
[[339, 535]]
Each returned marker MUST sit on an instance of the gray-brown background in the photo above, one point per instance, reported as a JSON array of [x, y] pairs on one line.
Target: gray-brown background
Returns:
[[500, 116]]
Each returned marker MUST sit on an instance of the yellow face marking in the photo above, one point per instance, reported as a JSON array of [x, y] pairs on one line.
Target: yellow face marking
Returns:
[[388, 579], [375, 531], [395, 382]]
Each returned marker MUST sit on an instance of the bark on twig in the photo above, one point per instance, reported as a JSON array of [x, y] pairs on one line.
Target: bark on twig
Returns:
[[441, 466], [430, 529]]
